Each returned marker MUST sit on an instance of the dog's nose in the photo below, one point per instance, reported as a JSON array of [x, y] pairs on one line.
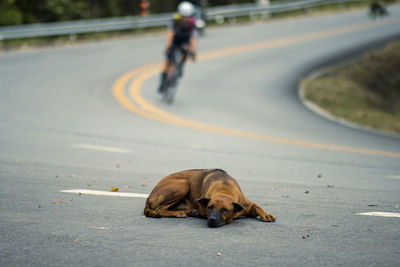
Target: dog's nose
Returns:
[[212, 222]]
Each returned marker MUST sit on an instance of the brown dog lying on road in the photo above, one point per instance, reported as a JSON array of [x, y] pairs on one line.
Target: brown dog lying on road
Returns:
[[207, 193]]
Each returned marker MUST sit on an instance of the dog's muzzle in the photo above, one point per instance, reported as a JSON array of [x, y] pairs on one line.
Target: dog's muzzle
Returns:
[[214, 221]]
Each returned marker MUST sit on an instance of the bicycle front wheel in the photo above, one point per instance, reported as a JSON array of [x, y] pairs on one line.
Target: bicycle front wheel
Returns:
[[169, 95]]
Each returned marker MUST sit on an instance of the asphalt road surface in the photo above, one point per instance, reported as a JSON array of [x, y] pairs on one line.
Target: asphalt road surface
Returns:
[[87, 117]]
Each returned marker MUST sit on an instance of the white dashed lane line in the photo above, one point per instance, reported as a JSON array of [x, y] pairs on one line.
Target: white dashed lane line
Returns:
[[381, 214], [103, 148], [104, 193]]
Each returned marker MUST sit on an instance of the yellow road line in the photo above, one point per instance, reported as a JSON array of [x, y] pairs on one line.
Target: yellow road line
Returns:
[[119, 88], [144, 108], [291, 40], [164, 116]]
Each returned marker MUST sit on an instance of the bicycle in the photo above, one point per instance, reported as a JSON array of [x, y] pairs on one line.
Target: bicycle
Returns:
[[174, 73]]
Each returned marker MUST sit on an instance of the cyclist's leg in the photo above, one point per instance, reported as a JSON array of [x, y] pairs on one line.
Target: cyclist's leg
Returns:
[[166, 69], [184, 50], [172, 59]]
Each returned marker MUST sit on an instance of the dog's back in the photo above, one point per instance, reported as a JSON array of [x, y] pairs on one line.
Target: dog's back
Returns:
[[199, 181], [177, 188], [218, 180]]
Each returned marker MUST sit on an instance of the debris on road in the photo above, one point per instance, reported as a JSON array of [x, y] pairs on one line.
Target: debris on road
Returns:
[[114, 189], [56, 201], [78, 239], [99, 228]]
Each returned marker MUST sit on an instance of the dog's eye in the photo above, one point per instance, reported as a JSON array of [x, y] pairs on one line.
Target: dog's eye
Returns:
[[211, 207], [224, 210]]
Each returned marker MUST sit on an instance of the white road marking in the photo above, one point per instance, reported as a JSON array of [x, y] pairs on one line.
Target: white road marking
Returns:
[[104, 193], [381, 214], [103, 148], [99, 228], [394, 177]]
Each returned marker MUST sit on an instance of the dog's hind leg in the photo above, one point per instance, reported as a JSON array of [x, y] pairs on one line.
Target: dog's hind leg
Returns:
[[166, 195]]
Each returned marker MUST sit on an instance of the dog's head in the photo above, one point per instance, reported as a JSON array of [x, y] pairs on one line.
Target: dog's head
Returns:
[[220, 211]]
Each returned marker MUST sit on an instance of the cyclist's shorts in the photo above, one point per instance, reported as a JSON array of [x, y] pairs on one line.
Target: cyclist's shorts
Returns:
[[171, 51]]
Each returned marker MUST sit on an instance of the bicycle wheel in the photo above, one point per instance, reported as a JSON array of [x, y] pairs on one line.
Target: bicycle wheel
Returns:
[[170, 91]]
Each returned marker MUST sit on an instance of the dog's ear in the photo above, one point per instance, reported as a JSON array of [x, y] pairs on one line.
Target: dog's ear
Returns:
[[203, 202], [238, 207]]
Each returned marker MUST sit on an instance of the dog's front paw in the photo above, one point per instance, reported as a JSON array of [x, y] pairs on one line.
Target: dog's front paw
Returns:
[[267, 218], [180, 214], [195, 213]]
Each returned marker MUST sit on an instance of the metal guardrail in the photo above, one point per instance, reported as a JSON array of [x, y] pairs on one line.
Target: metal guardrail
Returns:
[[219, 14]]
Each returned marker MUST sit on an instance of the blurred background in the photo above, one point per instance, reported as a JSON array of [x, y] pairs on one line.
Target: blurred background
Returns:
[[14, 12]]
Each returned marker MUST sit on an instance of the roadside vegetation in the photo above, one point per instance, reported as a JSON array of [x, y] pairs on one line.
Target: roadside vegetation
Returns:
[[366, 91], [22, 11], [14, 12]]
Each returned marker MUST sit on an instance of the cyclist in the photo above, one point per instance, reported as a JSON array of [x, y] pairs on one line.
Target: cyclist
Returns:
[[377, 8], [181, 34]]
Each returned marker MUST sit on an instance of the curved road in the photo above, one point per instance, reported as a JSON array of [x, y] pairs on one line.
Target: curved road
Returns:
[[87, 117]]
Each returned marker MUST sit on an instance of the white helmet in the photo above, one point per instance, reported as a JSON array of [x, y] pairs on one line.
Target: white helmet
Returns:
[[186, 9]]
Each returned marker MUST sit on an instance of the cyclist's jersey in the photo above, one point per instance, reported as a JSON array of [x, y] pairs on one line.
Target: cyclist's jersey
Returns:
[[183, 31]]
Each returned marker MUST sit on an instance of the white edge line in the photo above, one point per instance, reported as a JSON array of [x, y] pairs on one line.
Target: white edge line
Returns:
[[381, 214], [104, 193]]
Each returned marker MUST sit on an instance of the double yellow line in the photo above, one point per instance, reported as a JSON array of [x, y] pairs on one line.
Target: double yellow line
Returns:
[[127, 91]]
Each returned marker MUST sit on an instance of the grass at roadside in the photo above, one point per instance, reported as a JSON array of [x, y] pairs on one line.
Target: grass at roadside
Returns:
[[366, 92]]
